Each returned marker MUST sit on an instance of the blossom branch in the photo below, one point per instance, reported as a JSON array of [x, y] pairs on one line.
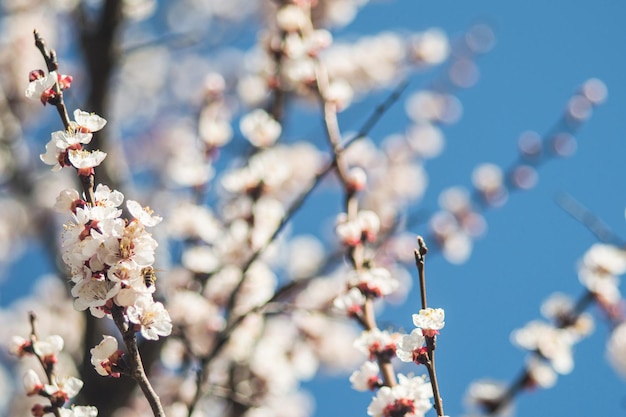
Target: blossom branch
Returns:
[[59, 389], [52, 65], [430, 336], [54, 96], [295, 205], [598, 268], [118, 269], [356, 253]]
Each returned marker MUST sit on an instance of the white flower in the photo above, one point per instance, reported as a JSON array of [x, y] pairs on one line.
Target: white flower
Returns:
[[374, 282], [318, 40], [214, 132], [105, 356], [385, 398], [484, 392], [487, 178], [410, 398], [37, 87], [340, 92], [357, 179], [108, 198], [68, 386], [616, 349], [410, 346], [430, 320], [540, 372], [552, 343], [89, 121], [126, 271], [152, 316], [65, 200], [32, 383], [260, 128], [349, 232], [59, 144], [79, 411], [82, 159], [431, 47], [92, 293], [600, 268], [605, 259], [201, 259], [143, 214], [50, 346], [291, 18], [18, 345], [366, 377], [351, 302], [369, 223], [419, 390], [366, 225], [375, 342]]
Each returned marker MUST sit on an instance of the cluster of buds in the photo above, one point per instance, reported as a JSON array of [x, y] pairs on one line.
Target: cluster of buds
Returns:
[[60, 389], [66, 147]]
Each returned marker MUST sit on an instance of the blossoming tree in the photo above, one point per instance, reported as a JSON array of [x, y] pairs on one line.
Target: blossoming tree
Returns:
[[234, 289]]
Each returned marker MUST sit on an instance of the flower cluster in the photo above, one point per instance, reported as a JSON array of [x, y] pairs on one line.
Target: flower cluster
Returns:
[[66, 147], [59, 389], [410, 396], [109, 258], [428, 323], [599, 272], [552, 343]]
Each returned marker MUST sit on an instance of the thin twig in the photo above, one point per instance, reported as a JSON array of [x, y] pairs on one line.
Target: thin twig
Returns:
[[588, 219], [432, 375], [420, 255]]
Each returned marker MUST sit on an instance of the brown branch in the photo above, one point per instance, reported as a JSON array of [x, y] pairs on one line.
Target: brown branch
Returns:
[[420, 255], [137, 371]]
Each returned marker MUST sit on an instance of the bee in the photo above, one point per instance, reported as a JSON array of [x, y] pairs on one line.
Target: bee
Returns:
[[149, 276]]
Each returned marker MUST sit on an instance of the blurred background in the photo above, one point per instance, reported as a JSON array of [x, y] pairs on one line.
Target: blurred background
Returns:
[[542, 54]]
